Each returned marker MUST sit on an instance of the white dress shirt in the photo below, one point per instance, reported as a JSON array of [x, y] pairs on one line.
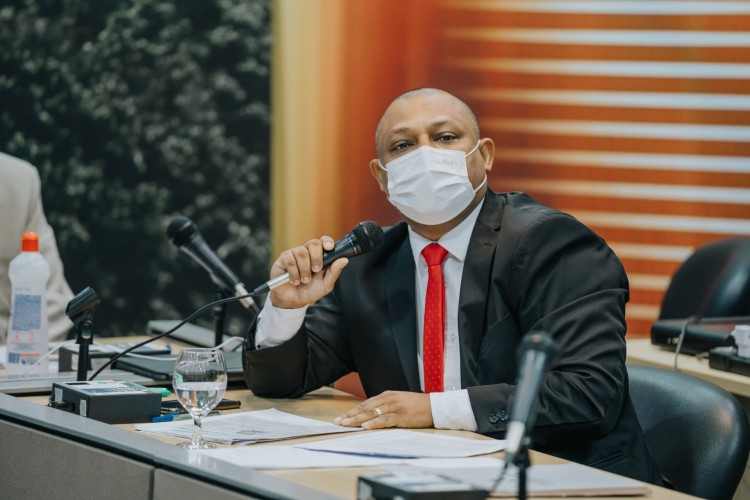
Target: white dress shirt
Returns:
[[450, 409]]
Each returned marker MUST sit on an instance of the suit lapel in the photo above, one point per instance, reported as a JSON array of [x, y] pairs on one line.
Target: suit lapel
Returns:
[[401, 299], [475, 286]]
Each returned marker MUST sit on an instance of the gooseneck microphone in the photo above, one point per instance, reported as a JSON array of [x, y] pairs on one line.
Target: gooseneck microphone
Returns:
[[536, 352], [184, 235], [364, 238]]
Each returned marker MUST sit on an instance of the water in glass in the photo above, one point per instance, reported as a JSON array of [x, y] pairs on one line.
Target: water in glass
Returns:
[[199, 381]]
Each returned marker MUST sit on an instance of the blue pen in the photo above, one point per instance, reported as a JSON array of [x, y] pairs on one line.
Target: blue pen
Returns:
[[171, 417]]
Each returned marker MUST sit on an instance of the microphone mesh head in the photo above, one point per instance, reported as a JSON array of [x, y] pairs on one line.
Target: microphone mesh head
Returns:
[[180, 230], [369, 236]]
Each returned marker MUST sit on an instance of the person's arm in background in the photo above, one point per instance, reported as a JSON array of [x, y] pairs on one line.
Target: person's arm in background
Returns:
[[58, 291]]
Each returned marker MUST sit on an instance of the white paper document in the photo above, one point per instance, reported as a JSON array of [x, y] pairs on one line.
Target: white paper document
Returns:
[[552, 480], [293, 457], [398, 443], [248, 427]]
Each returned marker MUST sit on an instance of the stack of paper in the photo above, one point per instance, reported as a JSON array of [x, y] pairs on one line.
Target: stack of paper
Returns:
[[399, 443], [293, 457], [248, 427], [367, 449]]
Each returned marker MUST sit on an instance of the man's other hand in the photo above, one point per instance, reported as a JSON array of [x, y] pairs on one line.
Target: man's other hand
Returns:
[[390, 409]]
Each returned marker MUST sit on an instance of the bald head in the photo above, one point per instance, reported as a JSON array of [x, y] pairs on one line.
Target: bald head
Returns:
[[428, 93], [439, 121]]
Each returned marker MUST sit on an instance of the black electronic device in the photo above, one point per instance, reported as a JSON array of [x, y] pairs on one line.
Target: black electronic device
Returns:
[[159, 368], [419, 486], [699, 336], [108, 401], [99, 353], [726, 359]]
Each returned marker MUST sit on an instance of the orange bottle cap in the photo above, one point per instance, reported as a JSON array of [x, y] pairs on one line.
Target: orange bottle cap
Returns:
[[30, 242]]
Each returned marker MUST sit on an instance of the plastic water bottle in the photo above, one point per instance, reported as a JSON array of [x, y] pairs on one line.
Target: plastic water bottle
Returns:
[[28, 339]]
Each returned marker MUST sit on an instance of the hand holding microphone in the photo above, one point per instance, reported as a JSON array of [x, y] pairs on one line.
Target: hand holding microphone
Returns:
[[299, 276]]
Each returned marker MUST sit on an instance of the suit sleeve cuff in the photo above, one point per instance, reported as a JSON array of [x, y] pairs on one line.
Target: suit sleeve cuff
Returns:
[[276, 325], [452, 410]]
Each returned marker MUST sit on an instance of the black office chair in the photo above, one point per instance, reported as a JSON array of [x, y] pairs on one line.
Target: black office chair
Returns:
[[713, 282], [697, 432]]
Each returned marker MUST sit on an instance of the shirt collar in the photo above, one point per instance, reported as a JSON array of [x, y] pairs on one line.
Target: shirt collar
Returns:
[[456, 241]]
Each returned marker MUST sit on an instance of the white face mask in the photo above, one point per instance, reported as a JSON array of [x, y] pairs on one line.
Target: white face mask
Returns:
[[430, 185]]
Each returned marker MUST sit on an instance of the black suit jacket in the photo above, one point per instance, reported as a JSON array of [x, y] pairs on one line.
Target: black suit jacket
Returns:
[[528, 267]]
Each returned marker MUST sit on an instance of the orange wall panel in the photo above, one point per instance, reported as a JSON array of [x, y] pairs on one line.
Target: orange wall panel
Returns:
[[635, 121]]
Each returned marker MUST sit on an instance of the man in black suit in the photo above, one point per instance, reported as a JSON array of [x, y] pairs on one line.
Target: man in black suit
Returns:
[[508, 266]]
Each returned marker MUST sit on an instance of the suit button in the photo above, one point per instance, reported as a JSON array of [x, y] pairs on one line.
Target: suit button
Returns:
[[494, 418], [504, 415]]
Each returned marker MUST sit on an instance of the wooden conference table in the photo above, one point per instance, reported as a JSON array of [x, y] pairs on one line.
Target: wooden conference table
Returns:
[[47, 453]]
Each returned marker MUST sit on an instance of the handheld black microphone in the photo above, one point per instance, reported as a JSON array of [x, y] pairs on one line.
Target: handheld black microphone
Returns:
[[184, 235], [537, 351], [364, 238]]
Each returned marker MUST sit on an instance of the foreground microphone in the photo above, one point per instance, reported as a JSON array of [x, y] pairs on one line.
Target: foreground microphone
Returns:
[[537, 350], [364, 238], [185, 236]]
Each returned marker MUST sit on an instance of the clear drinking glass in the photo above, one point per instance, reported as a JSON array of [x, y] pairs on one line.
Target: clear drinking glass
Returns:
[[199, 381]]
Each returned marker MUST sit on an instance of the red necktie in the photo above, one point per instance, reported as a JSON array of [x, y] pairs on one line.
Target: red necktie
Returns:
[[434, 319]]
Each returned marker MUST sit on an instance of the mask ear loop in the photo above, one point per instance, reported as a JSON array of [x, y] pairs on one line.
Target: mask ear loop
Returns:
[[485, 175], [482, 184], [470, 152]]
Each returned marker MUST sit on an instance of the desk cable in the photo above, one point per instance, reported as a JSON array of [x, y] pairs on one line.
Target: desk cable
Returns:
[[171, 330], [500, 478], [681, 338]]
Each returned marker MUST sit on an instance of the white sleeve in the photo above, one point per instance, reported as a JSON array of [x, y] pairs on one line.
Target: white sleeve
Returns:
[[276, 325], [452, 410]]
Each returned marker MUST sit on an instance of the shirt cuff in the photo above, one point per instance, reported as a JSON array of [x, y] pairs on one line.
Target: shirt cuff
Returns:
[[452, 410], [276, 325]]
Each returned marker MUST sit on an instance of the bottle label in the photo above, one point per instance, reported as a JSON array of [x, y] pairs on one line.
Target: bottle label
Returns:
[[27, 334], [27, 311], [21, 358], [24, 349]]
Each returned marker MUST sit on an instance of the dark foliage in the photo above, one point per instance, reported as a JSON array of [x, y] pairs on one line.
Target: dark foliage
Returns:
[[135, 111]]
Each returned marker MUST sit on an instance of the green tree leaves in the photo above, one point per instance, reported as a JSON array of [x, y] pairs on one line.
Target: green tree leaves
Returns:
[[135, 111]]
